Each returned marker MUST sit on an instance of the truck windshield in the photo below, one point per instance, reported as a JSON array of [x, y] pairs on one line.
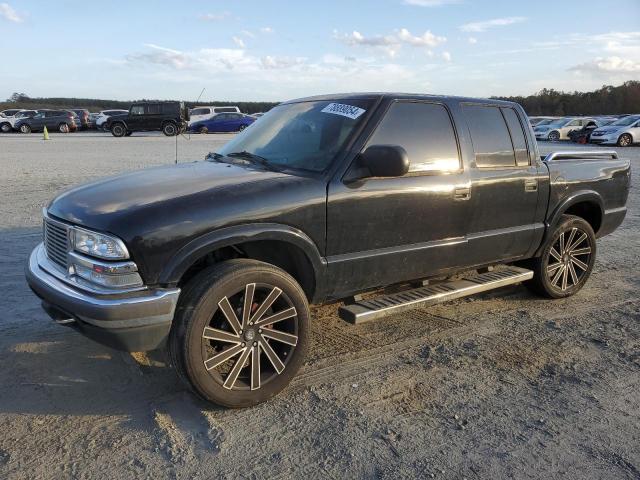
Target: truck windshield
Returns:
[[304, 136]]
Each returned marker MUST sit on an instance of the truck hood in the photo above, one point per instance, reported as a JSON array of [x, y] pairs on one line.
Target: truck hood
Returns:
[[102, 203]]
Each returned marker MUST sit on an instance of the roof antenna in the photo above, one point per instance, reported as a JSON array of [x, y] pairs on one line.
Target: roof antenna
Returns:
[[177, 133]]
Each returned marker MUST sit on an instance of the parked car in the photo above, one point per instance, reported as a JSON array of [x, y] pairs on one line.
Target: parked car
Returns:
[[223, 122], [534, 121], [559, 129], [61, 120], [102, 117], [168, 117], [322, 199], [583, 135], [204, 113], [7, 123], [623, 132], [10, 112], [83, 118]]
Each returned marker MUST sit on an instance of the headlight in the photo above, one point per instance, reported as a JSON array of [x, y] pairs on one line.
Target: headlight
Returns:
[[112, 275], [98, 244]]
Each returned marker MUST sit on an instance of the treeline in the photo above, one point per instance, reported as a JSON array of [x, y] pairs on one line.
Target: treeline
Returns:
[[21, 100], [607, 100]]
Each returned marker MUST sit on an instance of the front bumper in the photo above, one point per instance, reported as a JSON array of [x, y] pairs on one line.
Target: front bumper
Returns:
[[604, 139], [131, 321]]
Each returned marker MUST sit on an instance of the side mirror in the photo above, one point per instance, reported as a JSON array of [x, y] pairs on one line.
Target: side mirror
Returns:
[[385, 160]]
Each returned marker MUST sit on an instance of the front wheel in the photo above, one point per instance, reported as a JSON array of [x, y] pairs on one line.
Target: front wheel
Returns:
[[240, 332], [25, 128], [63, 128], [242, 127], [203, 130], [5, 127], [169, 129], [554, 136], [625, 140], [567, 259], [118, 130]]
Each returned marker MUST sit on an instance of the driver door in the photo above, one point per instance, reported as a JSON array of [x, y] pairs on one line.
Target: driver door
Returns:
[[382, 231]]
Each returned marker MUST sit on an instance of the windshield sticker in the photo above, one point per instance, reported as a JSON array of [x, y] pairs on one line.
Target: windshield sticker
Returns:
[[345, 110]]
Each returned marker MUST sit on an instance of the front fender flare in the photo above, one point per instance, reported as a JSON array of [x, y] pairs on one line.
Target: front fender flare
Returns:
[[224, 237]]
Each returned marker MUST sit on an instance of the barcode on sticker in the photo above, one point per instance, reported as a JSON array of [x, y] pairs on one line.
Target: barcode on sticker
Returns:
[[344, 110]]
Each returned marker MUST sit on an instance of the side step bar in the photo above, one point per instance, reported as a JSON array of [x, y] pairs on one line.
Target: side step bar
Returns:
[[371, 309]]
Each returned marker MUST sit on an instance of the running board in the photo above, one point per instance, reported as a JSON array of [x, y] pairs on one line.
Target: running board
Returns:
[[366, 310]]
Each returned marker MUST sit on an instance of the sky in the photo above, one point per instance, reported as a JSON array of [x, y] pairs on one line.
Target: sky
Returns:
[[277, 50]]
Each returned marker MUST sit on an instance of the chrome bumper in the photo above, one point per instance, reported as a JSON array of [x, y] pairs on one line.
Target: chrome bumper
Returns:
[[116, 312]]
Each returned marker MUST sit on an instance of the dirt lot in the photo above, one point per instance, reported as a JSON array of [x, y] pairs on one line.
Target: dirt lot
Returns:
[[503, 385]]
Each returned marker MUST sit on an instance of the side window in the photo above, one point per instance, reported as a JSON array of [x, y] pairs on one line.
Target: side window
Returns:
[[425, 131], [574, 123], [489, 135], [153, 109], [517, 136], [137, 110]]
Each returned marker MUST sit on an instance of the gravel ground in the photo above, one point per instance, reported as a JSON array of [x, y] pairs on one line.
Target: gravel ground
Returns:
[[501, 385]]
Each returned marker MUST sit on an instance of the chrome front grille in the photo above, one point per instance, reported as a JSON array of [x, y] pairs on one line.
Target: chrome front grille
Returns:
[[56, 241]]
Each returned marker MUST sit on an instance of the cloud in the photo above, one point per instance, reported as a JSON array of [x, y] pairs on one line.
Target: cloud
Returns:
[[485, 25], [247, 33], [608, 66], [214, 17], [238, 41], [9, 14], [430, 3], [267, 30], [391, 44], [446, 56], [161, 56], [472, 40], [272, 63]]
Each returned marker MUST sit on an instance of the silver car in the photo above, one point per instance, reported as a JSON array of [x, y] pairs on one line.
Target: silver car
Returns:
[[623, 132], [559, 129]]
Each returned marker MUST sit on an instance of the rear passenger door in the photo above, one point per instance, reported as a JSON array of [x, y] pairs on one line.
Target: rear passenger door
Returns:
[[505, 181], [382, 231], [153, 116]]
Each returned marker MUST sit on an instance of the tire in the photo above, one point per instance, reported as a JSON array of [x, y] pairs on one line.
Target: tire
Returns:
[[625, 140], [24, 128], [203, 130], [561, 271], [200, 361], [242, 127], [63, 128], [118, 129], [170, 129], [554, 136], [5, 127]]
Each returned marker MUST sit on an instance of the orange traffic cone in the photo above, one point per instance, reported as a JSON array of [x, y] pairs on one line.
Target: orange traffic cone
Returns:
[[45, 133]]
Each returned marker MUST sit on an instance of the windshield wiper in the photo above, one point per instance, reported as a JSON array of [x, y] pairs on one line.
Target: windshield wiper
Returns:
[[252, 157]]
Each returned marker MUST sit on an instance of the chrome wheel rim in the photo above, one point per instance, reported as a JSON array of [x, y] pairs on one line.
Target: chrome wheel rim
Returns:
[[242, 348], [64, 128], [569, 259], [118, 130], [624, 141], [24, 129]]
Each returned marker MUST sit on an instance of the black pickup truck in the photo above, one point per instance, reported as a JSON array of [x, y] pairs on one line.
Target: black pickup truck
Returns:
[[322, 199]]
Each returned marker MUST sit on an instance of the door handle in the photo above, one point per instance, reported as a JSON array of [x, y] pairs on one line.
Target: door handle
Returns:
[[462, 193], [530, 185]]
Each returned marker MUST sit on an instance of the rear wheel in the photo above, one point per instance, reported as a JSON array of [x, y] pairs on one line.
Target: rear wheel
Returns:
[[625, 140], [554, 136], [5, 127], [170, 129], [118, 130], [24, 128], [242, 127], [203, 130], [567, 259], [63, 128], [240, 332]]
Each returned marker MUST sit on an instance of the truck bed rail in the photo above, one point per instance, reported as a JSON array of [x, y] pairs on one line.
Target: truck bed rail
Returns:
[[581, 155]]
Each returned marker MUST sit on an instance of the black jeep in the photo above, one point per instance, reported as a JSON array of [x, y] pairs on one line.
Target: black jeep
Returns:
[[169, 117]]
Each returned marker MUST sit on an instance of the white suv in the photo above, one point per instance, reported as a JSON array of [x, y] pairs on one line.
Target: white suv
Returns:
[[205, 113], [104, 115]]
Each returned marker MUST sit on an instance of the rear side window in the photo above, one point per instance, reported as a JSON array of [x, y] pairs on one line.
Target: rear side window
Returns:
[[200, 111], [425, 131], [169, 108], [153, 109], [225, 109], [517, 136], [489, 135]]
